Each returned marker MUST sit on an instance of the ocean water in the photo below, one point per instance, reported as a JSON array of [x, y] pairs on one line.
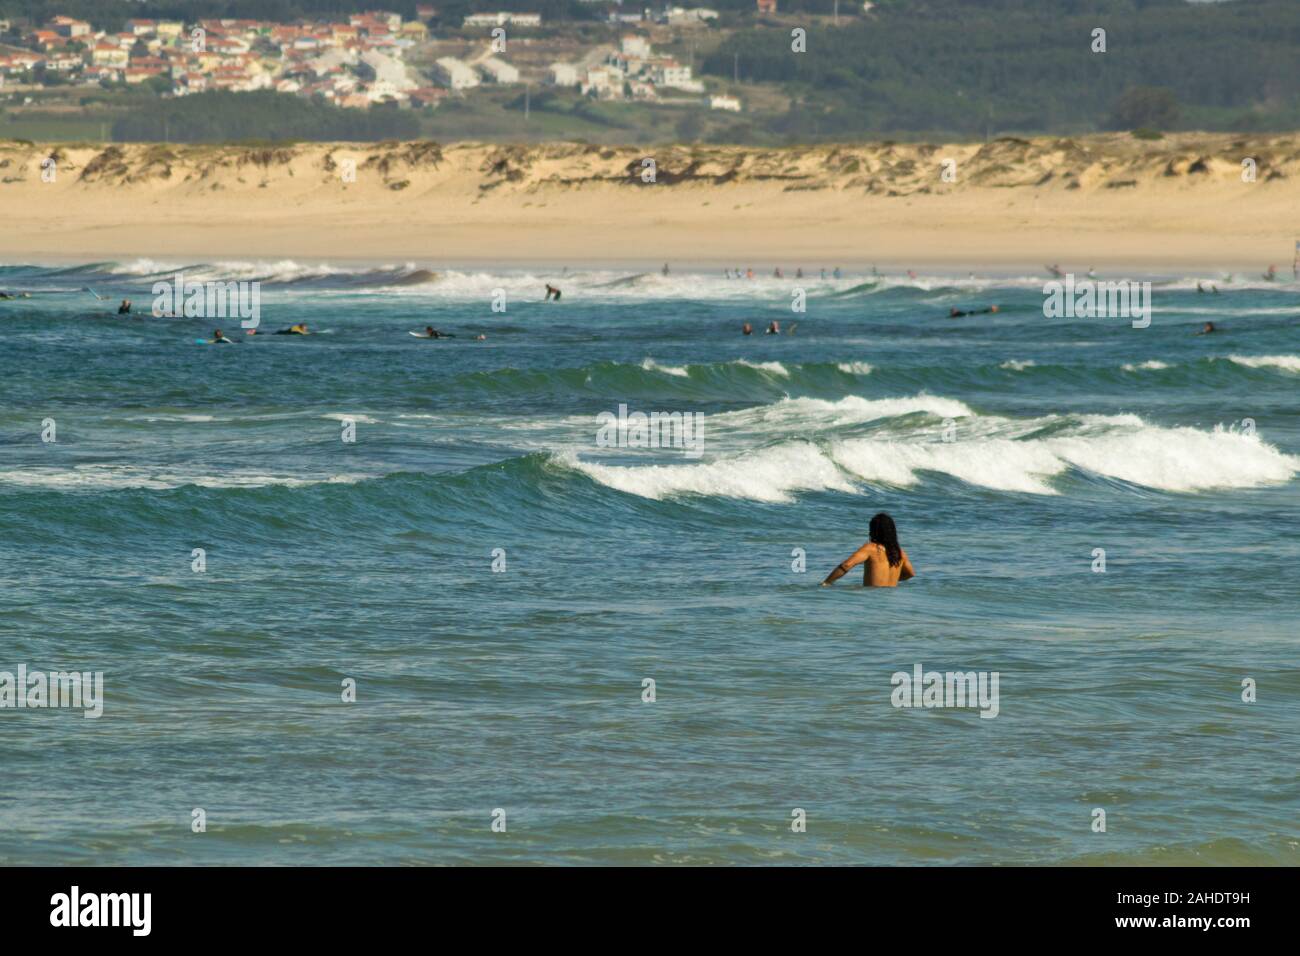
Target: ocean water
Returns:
[[1007, 447]]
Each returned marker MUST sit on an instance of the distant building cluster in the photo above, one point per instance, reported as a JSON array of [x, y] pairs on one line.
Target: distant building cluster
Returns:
[[354, 61], [631, 72]]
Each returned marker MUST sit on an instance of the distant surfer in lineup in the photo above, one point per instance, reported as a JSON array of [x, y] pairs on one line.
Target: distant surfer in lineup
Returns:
[[124, 308], [665, 268], [1271, 274], [746, 329], [299, 328], [431, 333], [1056, 271], [219, 338], [552, 293], [1207, 328], [773, 328], [884, 561], [959, 313]]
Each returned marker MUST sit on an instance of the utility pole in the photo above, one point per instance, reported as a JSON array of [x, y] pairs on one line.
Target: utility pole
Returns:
[[837, 12], [527, 90], [735, 68]]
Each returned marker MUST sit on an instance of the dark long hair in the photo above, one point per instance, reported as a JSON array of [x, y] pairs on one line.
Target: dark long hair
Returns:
[[885, 534]]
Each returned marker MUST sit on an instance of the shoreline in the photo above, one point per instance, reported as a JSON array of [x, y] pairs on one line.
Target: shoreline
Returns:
[[1106, 202]]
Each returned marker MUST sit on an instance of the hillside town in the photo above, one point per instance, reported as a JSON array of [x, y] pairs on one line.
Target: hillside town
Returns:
[[355, 61]]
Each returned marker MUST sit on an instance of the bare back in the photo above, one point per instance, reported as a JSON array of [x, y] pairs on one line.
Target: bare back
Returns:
[[877, 572]]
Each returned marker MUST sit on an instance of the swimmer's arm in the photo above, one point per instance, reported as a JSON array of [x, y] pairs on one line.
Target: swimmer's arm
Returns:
[[907, 570], [847, 565]]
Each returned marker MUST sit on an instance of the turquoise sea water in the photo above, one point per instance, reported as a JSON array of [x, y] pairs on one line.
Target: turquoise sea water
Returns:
[[522, 689]]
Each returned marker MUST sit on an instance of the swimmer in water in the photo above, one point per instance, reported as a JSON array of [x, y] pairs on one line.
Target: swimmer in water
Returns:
[[884, 561], [219, 338], [746, 329], [124, 308], [1207, 328], [773, 328]]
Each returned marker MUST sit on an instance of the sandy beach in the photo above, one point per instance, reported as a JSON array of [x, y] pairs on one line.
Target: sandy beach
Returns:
[[1106, 201]]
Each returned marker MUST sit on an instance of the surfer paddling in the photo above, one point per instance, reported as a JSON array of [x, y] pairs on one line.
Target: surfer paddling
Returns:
[[884, 561]]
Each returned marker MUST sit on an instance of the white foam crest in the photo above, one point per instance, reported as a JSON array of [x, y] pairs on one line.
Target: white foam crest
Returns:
[[1152, 365], [121, 477], [650, 365], [1018, 365], [1122, 447], [996, 463], [144, 267], [1289, 363], [803, 413], [351, 417], [770, 474], [285, 270], [1179, 459], [854, 368], [773, 368]]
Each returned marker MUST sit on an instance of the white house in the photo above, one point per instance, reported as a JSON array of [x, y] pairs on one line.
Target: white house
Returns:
[[729, 103], [604, 81], [498, 70], [386, 70], [635, 46], [501, 19], [455, 73], [564, 74], [677, 77]]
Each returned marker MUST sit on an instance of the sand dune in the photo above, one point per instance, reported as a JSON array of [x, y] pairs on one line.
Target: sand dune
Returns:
[[1104, 200]]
